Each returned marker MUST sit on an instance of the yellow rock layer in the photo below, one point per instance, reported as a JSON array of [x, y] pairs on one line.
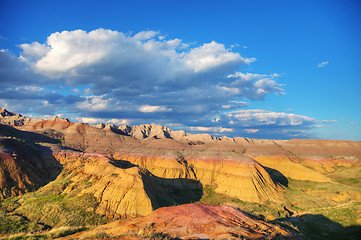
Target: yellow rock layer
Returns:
[[328, 165], [120, 192], [291, 169], [245, 180]]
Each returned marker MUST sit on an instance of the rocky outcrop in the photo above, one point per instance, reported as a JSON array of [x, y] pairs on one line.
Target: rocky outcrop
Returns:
[[244, 178], [91, 139], [158, 132], [237, 167], [120, 191], [290, 169], [55, 123], [15, 119], [193, 221], [23, 168]]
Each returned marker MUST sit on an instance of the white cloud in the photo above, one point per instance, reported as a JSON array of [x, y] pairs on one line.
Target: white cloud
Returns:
[[98, 104], [257, 117], [91, 57], [261, 123], [147, 69], [145, 35], [255, 86], [251, 130], [143, 77], [213, 55], [148, 109], [211, 129], [34, 51], [322, 64], [93, 121], [118, 122]]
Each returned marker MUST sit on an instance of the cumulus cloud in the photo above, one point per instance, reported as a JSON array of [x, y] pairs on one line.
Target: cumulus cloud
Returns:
[[147, 72], [255, 86], [98, 104], [15, 73], [264, 118], [261, 123], [147, 109], [143, 77], [322, 64], [251, 130], [94, 121], [211, 129], [213, 55]]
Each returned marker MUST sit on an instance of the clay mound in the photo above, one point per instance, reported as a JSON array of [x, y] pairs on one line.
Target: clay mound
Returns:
[[146, 131], [240, 177], [194, 221], [119, 191], [291, 169], [91, 139], [55, 123]]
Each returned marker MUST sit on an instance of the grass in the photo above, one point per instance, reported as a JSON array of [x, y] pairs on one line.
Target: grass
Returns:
[[322, 214], [61, 210], [335, 201], [266, 211], [16, 223], [52, 234], [148, 232], [47, 208], [350, 176]]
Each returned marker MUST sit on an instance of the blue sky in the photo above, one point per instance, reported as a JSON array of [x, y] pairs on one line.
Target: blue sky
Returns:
[[259, 69]]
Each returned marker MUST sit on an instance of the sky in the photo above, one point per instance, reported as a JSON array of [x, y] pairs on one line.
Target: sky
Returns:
[[279, 69]]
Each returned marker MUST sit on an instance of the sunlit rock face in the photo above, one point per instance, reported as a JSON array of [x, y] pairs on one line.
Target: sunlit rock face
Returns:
[[244, 178], [135, 170], [194, 221], [15, 119], [121, 192]]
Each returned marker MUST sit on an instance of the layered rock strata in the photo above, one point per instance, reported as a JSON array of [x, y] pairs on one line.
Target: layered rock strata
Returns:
[[244, 179], [120, 191], [192, 221]]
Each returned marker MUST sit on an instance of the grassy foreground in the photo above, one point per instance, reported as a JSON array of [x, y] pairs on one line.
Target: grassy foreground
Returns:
[[47, 213], [316, 210]]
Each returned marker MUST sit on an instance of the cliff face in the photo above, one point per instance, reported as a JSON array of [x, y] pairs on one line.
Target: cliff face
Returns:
[[22, 166], [119, 191], [15, 119], [291, 169], [244, 179]]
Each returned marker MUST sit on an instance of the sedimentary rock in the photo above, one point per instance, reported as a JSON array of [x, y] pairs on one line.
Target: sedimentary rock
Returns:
[[193, 221]]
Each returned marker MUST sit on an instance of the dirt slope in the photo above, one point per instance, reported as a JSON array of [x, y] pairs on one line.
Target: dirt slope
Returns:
[[192, 221]]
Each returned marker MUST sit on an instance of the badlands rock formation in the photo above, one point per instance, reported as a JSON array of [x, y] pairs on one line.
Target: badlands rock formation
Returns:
[[15, 119], [192, 221], [132, 171], [241, 178], [22, 167], [160, 162], [119, 191]]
